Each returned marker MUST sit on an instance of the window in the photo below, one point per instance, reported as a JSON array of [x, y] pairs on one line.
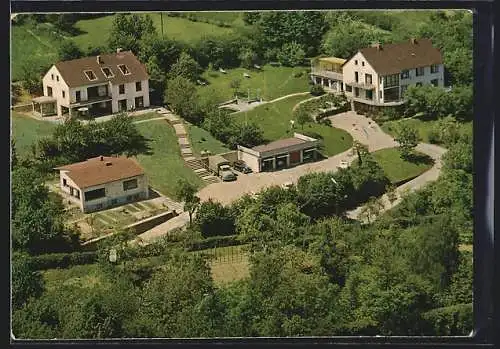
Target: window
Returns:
[[138, 86], [122, 105], [78, 96], [356, 76], [369, 94], [77, 193], [64, 94], [434, 82], [380, 80], [95, 194], [123, 68], [114, 202], [380, 94], [130, 184], [434, 68], [139, 102], [356, 92], [52, 76], [49, 91], [57, 77], [368, 79], [64, 182], [391, 80], [90, 75], [419, 71], [363, 63], [348, 88], [405, 74], [356, 62], [121, 89], [107, 72]]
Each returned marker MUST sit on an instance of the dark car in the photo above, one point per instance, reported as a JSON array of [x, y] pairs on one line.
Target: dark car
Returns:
[[240, 165]]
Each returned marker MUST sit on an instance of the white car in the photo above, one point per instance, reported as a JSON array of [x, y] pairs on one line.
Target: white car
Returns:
[[343, 164]]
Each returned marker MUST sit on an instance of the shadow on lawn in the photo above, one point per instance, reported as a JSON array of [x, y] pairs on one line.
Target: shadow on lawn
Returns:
[[420, 159]]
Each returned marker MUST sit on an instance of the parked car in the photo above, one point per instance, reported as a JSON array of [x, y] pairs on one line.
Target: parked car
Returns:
[[240, 166], [343, 164], [226, 174]]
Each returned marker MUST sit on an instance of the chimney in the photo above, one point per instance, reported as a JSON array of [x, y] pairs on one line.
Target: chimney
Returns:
[[99, 60], [413, 41], [118, 50], [102, 158]]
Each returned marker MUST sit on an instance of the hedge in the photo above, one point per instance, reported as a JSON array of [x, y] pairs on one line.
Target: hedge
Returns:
[[456, 320], [63, 260], [214, 241]]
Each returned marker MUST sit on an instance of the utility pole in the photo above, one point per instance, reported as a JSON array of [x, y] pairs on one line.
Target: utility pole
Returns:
[[161, 18]]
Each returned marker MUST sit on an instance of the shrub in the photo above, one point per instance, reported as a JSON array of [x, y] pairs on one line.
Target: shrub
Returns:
[[63, 260], [298, 74], [317, 90]]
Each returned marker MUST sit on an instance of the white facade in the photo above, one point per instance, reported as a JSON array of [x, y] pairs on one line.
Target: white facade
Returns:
[[379, 88], [55, 86], [114, 192]]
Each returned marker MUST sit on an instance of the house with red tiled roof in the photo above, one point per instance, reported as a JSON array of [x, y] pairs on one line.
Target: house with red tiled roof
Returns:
[[96, 85], [379, 75], [103, 182]]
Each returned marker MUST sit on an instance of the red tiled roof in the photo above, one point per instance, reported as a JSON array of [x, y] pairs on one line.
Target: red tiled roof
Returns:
[[393, 58], [73, 74], [101, 170]]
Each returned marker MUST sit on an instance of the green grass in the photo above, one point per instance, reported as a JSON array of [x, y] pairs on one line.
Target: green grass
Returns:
[[274, 120], [201, 139], [83, 275], [397, 169], [273, 82], [229, 18], [95, 31], [164, 166], [27, 131], [28, 45]]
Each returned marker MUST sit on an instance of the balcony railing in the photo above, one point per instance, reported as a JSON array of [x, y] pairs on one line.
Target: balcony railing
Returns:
[[92, 100], [327, 73]]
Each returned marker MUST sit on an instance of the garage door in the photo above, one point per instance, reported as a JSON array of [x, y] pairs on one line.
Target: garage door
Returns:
[[295, 157]]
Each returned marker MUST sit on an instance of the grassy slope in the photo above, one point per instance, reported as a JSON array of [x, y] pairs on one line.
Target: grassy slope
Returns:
[[175, 28], [274, 120], [273, 82], [27, 44], [397, 169], [164, 166], [26, 131], [196, 134], [423, 127]]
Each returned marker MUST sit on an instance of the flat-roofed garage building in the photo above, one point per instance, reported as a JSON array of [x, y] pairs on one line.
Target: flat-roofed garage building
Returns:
[[280, 154]]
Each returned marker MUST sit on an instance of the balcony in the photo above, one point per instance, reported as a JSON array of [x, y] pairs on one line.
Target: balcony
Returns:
[[361, 85], [329, 74], [92, 100]]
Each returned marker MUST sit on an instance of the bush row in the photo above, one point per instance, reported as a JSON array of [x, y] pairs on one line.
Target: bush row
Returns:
[[63, 260]]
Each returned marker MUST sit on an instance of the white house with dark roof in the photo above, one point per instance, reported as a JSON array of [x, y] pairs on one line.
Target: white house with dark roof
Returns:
[[102, 182], [380, 74], [104, 84]]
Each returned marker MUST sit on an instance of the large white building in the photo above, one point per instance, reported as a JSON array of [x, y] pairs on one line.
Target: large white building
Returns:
[[97, 85], [380, 74]]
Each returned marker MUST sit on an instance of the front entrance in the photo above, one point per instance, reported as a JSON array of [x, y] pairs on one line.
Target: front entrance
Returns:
[[122, 105]]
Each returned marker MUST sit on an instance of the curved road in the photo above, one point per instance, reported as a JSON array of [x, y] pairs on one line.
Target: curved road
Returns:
[[362, 129]]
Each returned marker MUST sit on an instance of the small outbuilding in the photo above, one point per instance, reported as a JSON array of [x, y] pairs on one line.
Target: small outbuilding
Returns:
[[280, 154]]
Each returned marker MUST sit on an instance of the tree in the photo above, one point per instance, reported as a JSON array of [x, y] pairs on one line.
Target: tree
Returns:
[[13, 154], [372, 208], [26, 281], [69, 50], [291, 54], [302, 116], [127, 31], [181, 95], [408, 138], [235, 85], [187, 193], [248, 57], [215, 219], [185, 67]]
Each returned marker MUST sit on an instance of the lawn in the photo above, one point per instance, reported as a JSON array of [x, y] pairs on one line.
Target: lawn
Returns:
[[175, 28], [274, 119], [201, 139], [28, 45], [228, 18], [273, 82], [27, 131], [164, 166], [423, 127], [83, 275], [399, 170]]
